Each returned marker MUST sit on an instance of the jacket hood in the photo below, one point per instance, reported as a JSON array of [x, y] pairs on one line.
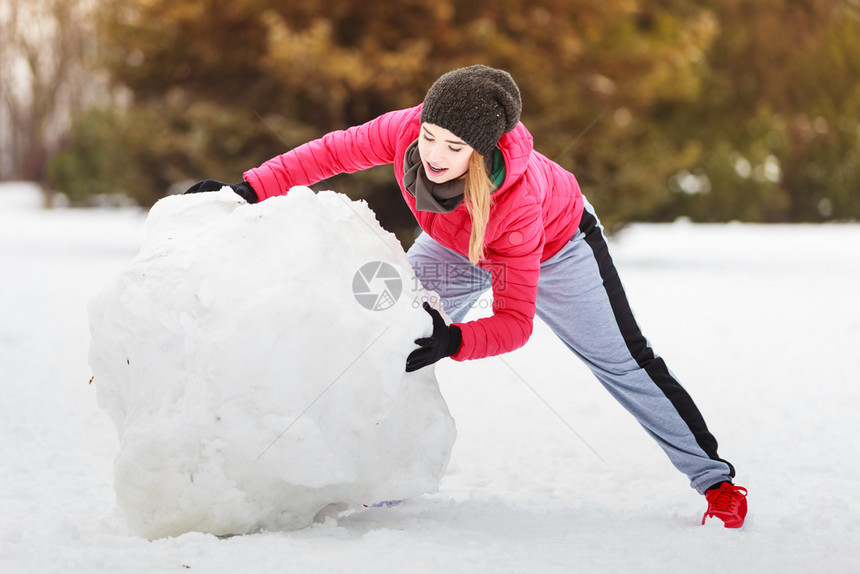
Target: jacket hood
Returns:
[[517, 146]]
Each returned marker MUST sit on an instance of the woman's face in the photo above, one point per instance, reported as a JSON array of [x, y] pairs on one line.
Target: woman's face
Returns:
[[444, 155]]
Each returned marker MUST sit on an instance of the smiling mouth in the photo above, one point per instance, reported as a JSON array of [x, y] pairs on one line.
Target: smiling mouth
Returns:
[[435, 169]]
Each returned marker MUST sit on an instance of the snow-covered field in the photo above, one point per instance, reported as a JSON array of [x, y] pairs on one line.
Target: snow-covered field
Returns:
[[548, 474]]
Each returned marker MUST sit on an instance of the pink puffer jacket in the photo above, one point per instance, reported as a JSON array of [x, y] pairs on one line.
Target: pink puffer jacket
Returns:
[[535, 212]]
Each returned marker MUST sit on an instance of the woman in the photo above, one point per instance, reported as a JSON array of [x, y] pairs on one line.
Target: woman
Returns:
[[497, 214]]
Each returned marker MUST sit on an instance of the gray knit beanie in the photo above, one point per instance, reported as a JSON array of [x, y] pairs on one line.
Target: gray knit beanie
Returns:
[[477, 104]]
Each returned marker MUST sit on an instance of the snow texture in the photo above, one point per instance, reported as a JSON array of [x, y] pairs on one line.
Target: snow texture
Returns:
[[250, 388], [760, 322]]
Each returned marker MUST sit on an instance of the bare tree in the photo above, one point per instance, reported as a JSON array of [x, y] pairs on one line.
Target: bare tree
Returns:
[[46, 51]]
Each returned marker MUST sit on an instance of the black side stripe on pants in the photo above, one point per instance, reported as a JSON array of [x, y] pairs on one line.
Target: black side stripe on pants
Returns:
[[638, 346]]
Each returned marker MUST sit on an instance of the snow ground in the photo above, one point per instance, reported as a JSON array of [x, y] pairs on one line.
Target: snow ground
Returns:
[[761, 323]]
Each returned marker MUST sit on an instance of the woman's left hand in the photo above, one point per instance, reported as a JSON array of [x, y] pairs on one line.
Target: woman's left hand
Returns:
[[444, 342]]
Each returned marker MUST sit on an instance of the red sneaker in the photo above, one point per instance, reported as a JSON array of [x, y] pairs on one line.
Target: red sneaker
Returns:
[[728, 503]]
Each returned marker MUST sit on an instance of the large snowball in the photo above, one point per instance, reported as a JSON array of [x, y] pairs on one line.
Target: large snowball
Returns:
[[252, 358]]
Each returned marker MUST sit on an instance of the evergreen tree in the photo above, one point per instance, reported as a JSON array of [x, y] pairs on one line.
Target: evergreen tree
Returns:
[[717, 110]]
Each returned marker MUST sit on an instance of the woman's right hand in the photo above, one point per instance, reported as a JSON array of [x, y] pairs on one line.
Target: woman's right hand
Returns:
[[244, 189]]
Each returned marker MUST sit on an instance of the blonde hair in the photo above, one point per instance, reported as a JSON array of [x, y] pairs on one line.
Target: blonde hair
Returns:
[[477, 195]]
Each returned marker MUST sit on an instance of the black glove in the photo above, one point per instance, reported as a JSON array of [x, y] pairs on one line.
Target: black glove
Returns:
[[244, 189], [444, 342]]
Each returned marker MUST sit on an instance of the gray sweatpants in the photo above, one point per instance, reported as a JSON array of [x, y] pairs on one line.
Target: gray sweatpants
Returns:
[[581, 298]]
